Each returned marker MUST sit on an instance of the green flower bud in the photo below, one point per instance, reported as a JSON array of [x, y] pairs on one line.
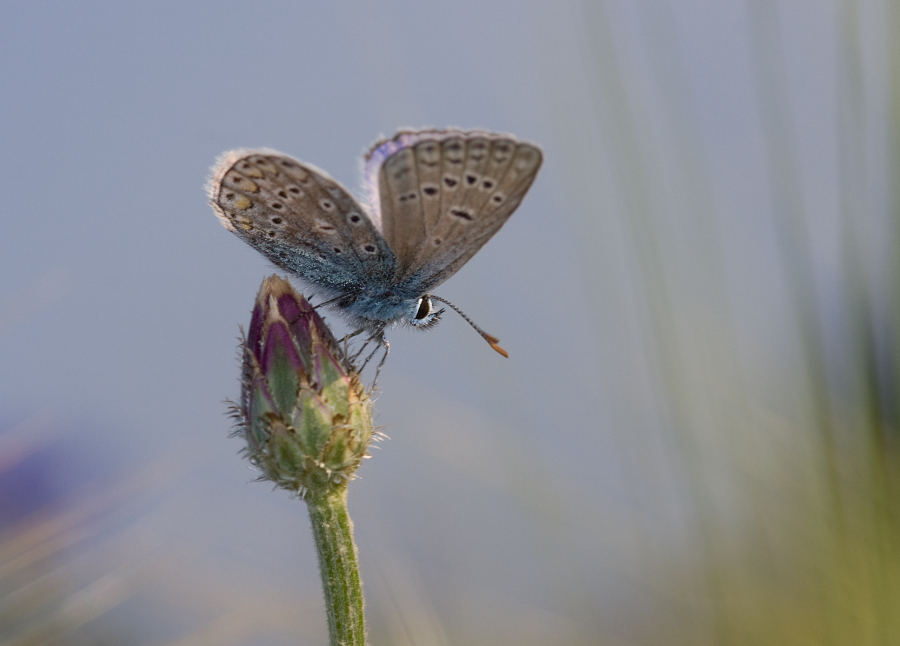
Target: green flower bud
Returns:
[[305, 415]]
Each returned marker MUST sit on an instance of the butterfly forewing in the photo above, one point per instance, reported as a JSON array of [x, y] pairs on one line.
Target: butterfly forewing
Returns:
[[300, 219], [457, 237], [401, 206], [429, 161], [469, 183]]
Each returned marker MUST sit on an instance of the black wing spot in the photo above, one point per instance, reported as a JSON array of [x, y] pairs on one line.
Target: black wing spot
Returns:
[[370, 248], [277, 205], [488, 184], [430, 190], [337, 249], [450, 182], [229, 196], [282, 195], [355, 218], [325, 204], [294, 190], [497, 199], [272, 234], [288, 164], [461, 213], [276, 220], [471, 179], [245, 165], [437, 241]]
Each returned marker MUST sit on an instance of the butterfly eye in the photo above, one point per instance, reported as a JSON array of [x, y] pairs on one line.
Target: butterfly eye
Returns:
[[424, 308]]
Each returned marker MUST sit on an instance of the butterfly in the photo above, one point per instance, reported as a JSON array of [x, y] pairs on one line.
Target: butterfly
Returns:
[[435, 197]]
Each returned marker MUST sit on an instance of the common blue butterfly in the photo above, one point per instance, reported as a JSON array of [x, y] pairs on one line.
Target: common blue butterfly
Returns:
[[435, 197]]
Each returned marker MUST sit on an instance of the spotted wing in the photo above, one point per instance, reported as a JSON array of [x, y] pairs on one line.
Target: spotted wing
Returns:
[[300, 219], [443, 194]]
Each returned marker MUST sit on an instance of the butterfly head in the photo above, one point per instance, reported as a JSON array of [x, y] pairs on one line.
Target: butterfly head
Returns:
[[422, 315]]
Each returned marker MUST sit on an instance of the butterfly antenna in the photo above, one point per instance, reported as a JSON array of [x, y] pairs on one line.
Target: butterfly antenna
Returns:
[[490, 338]]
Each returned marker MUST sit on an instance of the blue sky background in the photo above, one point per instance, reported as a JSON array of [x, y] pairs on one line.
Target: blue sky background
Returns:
[[643, 289]]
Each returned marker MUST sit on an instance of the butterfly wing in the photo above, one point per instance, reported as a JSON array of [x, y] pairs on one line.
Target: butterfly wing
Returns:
[[443, 194], [300, 219]]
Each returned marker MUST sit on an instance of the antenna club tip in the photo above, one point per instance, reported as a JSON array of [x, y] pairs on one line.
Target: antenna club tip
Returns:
[[500, 350], [493, 342]]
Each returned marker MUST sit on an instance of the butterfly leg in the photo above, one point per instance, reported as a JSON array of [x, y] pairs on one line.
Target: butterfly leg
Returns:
[[387, 350], [378, 336], [346, 340], [363, 347], [353, 334], [328, 302], [382, 342]]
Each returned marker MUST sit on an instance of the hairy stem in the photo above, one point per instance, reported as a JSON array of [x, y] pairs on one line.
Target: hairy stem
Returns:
[[333, 532]]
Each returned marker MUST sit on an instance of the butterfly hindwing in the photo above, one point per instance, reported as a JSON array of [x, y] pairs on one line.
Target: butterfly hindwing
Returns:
[[300, 219]]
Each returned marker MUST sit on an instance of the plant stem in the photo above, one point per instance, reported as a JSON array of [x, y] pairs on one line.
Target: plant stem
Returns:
[[333, 531]]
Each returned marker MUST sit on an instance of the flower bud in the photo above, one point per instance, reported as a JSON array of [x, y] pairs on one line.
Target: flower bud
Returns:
[[305, 415]]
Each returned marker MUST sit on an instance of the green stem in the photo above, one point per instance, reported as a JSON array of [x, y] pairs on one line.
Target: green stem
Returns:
[[333, 531]]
